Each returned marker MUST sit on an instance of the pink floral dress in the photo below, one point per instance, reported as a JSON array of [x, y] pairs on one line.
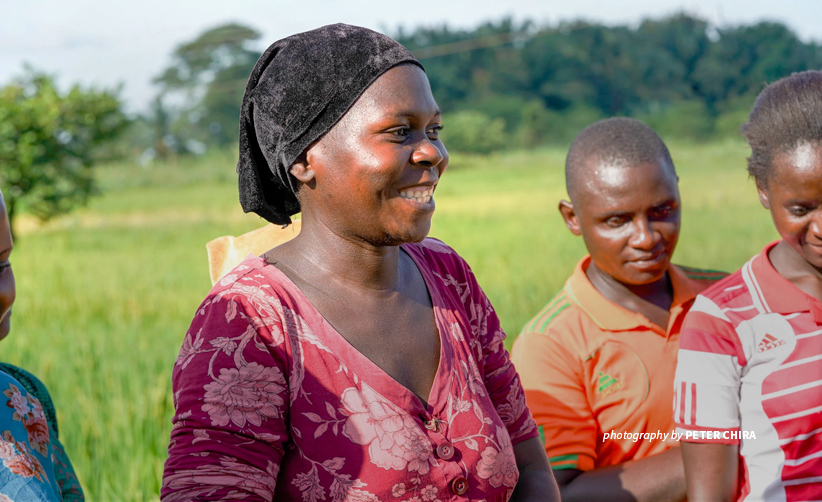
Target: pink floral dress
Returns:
[[273, 403]]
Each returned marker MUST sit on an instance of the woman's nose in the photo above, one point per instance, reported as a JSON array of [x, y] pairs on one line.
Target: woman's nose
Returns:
[[428, 153]]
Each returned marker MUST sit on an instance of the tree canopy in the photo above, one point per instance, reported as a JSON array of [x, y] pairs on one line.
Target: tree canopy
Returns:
[[678, 73], [204, 86], [49, 142], [557, 78]]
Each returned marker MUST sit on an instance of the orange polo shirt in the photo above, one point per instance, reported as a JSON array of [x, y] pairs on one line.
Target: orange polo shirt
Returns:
[[590, 367]]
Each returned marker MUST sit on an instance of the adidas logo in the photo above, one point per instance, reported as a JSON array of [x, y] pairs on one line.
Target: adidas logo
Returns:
[[768, 343], [607, 384]]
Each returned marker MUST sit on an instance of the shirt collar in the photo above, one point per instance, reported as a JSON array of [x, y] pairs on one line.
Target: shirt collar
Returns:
[[612, 317], [778, 293]]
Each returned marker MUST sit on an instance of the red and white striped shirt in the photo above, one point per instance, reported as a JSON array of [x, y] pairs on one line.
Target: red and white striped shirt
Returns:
[[749, 372]]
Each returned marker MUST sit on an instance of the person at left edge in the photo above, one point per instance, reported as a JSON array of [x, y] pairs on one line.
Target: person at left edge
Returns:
[[360, 360], [33, 464]]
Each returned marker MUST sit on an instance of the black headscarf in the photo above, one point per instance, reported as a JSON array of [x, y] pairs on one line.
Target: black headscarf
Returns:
[[299, 88]]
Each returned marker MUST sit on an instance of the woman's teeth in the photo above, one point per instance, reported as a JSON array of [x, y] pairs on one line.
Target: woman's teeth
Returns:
[[418, 194]]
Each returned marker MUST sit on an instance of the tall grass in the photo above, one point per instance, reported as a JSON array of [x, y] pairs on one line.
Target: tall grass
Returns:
[[105, 295]]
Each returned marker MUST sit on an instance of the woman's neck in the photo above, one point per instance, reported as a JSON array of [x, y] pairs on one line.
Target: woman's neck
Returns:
[[790, 265], [320, 253]]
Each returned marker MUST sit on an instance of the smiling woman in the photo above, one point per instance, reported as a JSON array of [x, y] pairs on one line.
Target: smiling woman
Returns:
[[360, 360], [748, 370]]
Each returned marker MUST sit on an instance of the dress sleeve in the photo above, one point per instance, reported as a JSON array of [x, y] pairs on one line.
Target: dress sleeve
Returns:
[[707, 381], [556, 395], [230, 398], [64, 473], [501, 379]]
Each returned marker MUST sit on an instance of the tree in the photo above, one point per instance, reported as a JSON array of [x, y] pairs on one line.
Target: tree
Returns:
[[49, 143], [543, 80], [204, 84]]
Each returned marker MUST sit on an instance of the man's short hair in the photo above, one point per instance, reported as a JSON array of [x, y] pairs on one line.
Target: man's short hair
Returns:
[[619, 141]]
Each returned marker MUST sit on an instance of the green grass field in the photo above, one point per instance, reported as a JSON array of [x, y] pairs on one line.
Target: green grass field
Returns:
[[106, 294]]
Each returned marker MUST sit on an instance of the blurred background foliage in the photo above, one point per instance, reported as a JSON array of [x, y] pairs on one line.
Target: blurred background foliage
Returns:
[[506, 85], [50, 141], [502, 85]]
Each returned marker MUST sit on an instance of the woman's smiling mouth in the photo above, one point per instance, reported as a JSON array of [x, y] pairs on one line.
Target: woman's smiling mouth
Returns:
[[418, 194]]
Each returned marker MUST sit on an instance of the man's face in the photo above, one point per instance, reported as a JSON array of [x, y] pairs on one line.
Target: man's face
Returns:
[[629, 218]]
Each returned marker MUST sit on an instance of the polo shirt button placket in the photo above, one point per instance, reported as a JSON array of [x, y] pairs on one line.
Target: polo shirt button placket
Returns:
[[459, 486]]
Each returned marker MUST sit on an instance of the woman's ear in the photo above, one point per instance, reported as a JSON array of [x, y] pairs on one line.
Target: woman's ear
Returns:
[[569, 215], [301, 169], [763, 195]]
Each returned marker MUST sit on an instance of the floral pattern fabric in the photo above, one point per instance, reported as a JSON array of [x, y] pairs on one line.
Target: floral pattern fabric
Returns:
[[273, 404], [27, 470], [63, 470]]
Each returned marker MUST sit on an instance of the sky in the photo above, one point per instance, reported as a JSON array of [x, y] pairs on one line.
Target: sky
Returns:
[[128, 43]]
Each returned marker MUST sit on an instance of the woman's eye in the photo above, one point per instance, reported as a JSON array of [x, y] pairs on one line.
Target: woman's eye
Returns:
[[400, 132], [434, 132], [798, 210]]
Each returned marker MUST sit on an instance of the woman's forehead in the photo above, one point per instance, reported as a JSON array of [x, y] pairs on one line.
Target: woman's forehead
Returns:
[[403, 90]]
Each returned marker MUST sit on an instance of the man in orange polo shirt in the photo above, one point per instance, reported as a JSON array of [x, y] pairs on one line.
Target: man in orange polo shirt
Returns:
[[597, 363]]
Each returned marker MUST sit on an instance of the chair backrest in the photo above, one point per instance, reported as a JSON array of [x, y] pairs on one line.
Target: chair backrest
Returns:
[[226, 252]]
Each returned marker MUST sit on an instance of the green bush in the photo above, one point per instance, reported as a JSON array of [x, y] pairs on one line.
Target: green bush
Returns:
[[689, 120], [472, 131], [542, 126], [508, 107], [732, 115]]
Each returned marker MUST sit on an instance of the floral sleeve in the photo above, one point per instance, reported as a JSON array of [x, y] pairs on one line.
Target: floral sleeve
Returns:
[[230, 396], [67, 481], [501, 379], [64, 472]]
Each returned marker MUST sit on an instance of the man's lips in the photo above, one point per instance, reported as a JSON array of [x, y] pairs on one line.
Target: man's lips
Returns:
[[649, 260]]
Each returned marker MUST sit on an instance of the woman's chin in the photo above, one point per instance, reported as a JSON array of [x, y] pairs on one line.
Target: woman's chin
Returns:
[[404, 233], [419, 232]]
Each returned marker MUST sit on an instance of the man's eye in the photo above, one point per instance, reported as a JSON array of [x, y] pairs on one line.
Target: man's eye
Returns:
[[662, 212], [615, 221]]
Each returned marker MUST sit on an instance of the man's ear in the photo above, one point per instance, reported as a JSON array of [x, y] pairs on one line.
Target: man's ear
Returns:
[[301, 169], [763, 195], [569, 215]]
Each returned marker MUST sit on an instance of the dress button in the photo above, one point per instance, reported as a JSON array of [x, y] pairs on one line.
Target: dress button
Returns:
[[459, 486], [445, 451]]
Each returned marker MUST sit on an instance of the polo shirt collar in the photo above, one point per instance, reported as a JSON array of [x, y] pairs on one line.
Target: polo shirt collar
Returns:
[[612, 317], [779, 294]]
